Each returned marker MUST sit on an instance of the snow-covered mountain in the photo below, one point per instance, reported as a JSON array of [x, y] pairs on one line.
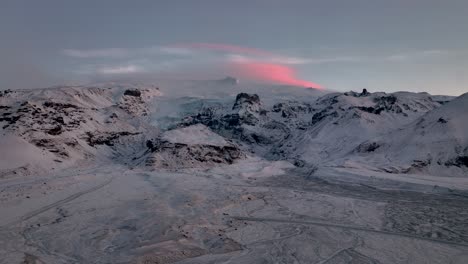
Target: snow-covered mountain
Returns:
[[337, 129], [70, 125], [435, 143], [139, 125], [131, 173], [340, 122]]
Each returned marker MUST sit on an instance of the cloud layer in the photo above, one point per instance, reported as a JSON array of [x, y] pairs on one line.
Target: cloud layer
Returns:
[[187, 59], [120, 69], [255, 64], [243, 62], [272, 73]]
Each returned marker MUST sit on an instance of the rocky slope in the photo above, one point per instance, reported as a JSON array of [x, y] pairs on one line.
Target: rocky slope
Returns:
[[336, 129], [129, 124], [119, 173], [435, 143], [69, 125], [190, 147]]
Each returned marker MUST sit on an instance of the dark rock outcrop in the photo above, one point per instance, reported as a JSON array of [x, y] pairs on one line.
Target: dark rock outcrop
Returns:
[[105, 138], [460, 161], [167, 154], [245, 100], [132, 92], [367, 147]]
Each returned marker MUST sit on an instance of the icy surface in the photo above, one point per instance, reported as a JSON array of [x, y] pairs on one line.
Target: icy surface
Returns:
[[130, 173]]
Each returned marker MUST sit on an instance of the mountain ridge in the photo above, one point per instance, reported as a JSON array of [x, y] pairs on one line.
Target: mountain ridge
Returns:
[[112, 121]]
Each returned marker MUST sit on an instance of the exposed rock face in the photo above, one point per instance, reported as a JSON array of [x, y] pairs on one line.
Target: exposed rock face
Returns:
[[55, 131], [248, 108], [5, 92], [292, 109], [82, 122], [461, 161], [325, 113], [70, 122], [176, 155], [193, 146], [364, 92], [246, 122], [435, 143], [132, 92], [106, 138], [247, 101], [49, 117], [134, 100], [368, 147], [328, 130], [341, 108]]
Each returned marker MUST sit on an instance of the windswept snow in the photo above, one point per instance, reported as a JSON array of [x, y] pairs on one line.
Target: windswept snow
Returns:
[[132, 173], [20, 157], [436, 143], [196, 134]]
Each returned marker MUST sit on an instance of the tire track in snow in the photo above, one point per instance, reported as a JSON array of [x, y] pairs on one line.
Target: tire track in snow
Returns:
[[60, 202], [347, 227]]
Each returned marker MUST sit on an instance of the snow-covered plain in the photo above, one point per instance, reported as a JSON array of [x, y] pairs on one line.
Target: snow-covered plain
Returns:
[[127, 173]]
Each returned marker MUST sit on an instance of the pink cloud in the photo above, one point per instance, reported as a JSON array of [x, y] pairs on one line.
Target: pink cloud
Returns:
[[254, 64], [270, 72]]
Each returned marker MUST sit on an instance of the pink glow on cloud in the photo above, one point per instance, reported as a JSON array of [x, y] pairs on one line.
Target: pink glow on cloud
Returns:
[[271, 72], [257, 65]]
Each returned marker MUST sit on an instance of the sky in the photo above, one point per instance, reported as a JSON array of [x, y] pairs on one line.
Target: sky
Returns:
[[342, 45]]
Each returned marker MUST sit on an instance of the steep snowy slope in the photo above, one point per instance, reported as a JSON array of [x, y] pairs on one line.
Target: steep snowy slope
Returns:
[[19, 158], [106, 123], [436, 143], [72, 123], [322, 131], [341, 122], [139, 125]]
